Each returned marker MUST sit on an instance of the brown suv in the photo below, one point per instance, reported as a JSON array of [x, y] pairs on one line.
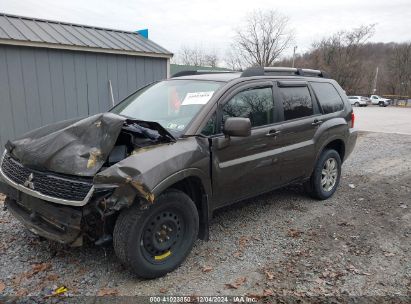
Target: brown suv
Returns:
[[149, 174]]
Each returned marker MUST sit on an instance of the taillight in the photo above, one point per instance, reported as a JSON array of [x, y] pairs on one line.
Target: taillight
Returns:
[[352, 119]]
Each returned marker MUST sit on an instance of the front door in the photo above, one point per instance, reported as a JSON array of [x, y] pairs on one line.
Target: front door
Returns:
[[245, 166]]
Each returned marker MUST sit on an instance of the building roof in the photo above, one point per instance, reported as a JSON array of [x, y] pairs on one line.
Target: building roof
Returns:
[[35, 32]]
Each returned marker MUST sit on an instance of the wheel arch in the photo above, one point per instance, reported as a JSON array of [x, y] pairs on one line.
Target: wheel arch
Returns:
[[197, 186], [337, 144]]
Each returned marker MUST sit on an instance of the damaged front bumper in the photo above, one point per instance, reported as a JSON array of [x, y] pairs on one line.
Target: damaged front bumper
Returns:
[[61, 223], [55, 222], [58, 223], [56, 207], [63, 208], [35, 208]]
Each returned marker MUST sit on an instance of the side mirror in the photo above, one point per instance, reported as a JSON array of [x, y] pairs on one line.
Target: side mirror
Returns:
[[237, 126]]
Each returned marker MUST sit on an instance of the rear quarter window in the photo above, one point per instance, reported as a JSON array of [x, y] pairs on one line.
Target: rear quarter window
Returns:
[[328, 97]]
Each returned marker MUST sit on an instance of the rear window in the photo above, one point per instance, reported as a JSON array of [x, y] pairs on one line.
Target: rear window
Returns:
[[297, 102], [328, 97]]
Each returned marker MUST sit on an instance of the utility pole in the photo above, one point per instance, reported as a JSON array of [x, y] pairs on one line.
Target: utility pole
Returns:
[[295, 47], [374, 85]]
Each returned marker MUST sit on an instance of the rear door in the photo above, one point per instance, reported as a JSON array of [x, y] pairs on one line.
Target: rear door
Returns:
[[332, 106], [246, 166], [301, 119]]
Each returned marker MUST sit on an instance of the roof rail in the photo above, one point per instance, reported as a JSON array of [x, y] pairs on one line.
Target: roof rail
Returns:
[[262, 71], [199, 72]]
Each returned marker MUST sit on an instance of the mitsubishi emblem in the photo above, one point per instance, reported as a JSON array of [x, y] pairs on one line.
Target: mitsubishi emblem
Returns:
[[28, 183]]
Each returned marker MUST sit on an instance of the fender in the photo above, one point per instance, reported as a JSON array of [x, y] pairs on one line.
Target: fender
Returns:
[[156, 167], [179, 176], [323, 136], [335, 137], [204, 206]]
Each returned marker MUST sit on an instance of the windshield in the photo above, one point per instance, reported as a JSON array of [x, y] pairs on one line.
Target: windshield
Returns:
[[171, 103]]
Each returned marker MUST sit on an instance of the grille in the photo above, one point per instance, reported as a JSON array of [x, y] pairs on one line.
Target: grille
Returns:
[[46, 183]]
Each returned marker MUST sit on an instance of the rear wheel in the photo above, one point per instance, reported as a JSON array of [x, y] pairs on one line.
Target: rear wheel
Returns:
[[326, 175], [357, 104], [155, 241]]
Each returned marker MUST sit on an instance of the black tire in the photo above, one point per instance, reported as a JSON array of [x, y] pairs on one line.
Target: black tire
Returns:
[[357, 104], [157, 240], [381, 104], [314, 185]]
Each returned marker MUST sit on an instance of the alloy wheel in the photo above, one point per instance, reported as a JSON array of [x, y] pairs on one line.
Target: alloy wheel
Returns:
[[329, 174]]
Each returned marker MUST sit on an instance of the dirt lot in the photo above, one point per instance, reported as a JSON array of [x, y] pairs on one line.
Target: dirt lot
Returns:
[[283, 243]]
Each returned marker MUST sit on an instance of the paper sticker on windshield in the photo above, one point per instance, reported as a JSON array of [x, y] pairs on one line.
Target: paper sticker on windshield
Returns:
[[197, 98], [172, 126]]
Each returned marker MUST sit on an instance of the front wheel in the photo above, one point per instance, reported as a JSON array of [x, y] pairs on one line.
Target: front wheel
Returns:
[[326, 175], [156, 241], [357, 104]]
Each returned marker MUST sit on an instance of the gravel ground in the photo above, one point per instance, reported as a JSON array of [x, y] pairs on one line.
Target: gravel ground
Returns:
[[283, 243]]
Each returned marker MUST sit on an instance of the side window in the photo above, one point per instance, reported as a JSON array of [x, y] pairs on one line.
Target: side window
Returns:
[[297, 102], [328, 97], [210, 127], [255, 104]]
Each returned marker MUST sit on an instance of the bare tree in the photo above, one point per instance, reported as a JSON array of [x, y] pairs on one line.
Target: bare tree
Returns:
[[197, 56], [341, 55], [211, 59], [399, 69], [262, 39], [392, 59], [233, 60]]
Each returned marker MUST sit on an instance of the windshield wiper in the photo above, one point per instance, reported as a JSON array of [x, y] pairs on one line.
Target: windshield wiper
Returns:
[[194, 135], [149, 129]]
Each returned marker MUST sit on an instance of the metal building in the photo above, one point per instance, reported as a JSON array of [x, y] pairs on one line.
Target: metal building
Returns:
[[50, 71]]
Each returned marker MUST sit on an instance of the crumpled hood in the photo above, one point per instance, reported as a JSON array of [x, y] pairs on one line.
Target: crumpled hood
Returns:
[[77, 147], [81, 147]]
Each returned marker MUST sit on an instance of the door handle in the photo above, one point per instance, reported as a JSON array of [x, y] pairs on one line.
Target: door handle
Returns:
[[273, 133], [316, 122]]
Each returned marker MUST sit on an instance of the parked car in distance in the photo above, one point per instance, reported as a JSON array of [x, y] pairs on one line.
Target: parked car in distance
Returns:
[[359, 101], [148, 174], [378, 100]]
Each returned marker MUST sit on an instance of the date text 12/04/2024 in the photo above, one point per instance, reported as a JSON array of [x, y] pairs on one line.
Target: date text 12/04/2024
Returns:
[[203, 299]]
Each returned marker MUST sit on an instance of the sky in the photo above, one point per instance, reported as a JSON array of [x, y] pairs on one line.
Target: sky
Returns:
[[210, 24]]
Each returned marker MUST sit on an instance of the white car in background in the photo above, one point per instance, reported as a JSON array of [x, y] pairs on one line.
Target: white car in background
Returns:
[[378, 100], [359, 101]]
